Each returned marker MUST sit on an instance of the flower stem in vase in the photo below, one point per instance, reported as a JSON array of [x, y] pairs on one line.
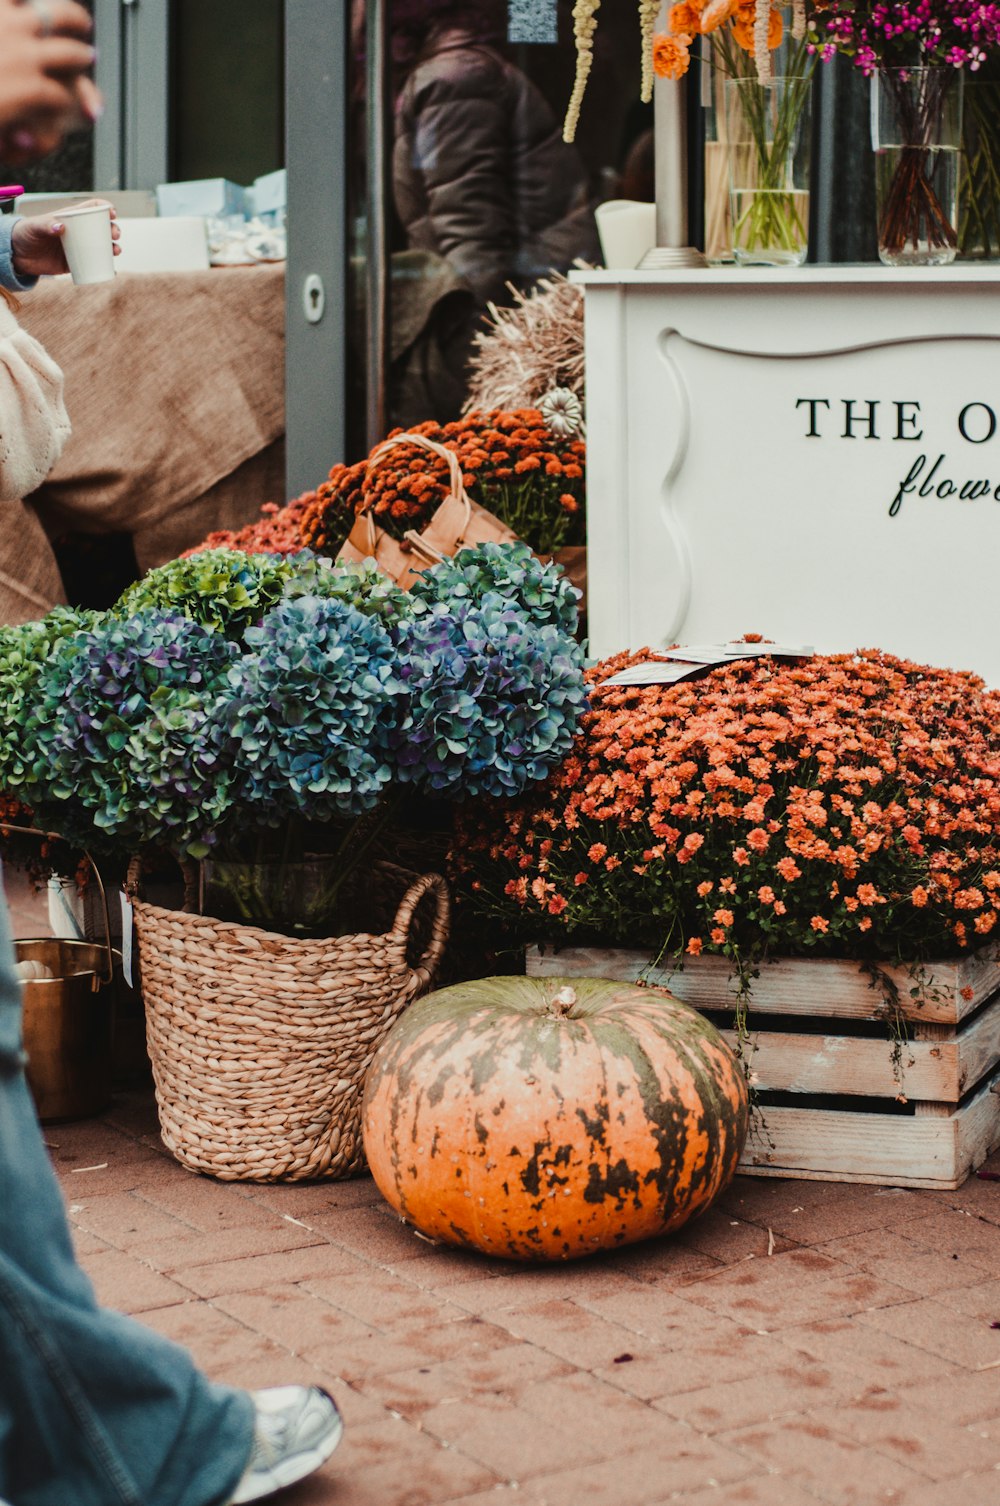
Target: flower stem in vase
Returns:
[[917, 130]]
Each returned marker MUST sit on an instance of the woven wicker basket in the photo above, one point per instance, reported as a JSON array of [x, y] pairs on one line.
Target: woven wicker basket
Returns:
[[260, 1043]]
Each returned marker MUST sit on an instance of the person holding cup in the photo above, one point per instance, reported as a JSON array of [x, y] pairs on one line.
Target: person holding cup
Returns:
[[95, 1408]]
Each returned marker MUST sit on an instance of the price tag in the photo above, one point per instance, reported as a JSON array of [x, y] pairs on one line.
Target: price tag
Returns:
[[127, 938], [532, 22]]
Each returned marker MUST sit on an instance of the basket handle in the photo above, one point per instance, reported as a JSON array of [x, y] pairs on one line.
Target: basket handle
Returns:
[[429, 883], [53, 836], [455, 480]]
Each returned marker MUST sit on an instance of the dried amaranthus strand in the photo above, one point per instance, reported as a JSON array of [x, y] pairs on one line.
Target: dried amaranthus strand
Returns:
[[762, 52], [648, 12], [584, 26], [798, 19]]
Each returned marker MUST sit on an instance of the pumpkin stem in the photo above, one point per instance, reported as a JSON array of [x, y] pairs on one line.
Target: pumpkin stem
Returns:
[[564, 1000]]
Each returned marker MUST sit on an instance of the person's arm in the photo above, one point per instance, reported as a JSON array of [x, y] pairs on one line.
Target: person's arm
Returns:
[[9, 276], [34, 425]]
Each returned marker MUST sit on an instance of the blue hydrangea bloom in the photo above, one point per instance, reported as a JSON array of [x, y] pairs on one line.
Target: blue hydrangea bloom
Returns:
[[309, 711], [493, 698]]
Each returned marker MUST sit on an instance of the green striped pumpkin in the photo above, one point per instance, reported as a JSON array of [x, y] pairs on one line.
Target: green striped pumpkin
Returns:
[[547, 1118]]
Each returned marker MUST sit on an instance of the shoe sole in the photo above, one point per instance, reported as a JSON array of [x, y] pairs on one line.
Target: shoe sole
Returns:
[[290, 1471]]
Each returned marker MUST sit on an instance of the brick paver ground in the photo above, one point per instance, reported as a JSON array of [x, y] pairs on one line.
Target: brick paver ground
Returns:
[[854, 1364]]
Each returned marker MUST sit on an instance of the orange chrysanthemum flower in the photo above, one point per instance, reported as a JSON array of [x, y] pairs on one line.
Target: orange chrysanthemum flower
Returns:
[[671, 55]]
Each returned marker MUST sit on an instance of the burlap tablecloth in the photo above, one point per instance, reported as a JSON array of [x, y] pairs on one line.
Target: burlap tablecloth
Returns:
[[175, 389]]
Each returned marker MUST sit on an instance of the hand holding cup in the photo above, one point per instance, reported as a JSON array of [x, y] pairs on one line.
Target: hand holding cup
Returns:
[[39, 242]]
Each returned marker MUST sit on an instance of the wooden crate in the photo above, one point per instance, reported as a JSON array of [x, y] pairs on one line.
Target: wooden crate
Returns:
[[849, 1126]]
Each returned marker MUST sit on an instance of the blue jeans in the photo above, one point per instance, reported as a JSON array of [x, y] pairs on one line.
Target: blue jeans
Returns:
[[95, 1409]]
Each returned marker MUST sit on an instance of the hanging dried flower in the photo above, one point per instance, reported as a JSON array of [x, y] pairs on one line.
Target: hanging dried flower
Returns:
[[648, 12], [761, 41], [584, 26]]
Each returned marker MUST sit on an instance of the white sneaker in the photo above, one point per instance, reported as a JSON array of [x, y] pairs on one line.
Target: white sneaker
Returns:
[[296, 1428]]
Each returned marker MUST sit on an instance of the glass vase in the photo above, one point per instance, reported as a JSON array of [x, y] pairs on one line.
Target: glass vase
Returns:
[[292, 898], [979, 180], [916, 121], [767, 147]]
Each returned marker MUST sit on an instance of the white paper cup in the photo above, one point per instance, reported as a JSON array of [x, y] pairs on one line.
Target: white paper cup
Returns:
[[627, 230], [87, 243]]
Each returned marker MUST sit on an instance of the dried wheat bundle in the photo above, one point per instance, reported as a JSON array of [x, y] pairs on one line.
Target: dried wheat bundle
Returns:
[[530, 348]]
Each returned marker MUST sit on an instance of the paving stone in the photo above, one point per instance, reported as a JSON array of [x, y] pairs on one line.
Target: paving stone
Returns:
[[363, 1356], [227, 1244], [128, 1220], [498, 1370], [794, 1287], [659, 1313], [530, 1283], [876, 1357], [640, 1477], [792, 1388], [130, 1286], [255, 1272], [969, 1490], [510, 1440], [313, 1198], [294, 1318], [394, 1464], [619, 1422], [961, 1397], [208, 1205], [220, 1343], [437, 1267], [389, 1303], [665, 1262], [721, 1352], [955, 1231], [899, 1258], [85, 1243], [761, 1490], [929, 1324], [941, 1449], [728, 1237], [836, 1469], [980, 1300], [567, 1330]]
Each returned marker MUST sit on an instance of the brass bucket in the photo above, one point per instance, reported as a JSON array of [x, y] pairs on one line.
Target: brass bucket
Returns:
[[68, 1027], [68, 1008]]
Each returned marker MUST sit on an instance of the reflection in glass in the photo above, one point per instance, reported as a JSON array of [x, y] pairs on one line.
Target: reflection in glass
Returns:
[[483, 193]]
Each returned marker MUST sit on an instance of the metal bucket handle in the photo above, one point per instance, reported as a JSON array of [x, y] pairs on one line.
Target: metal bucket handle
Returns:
[[53, 836]]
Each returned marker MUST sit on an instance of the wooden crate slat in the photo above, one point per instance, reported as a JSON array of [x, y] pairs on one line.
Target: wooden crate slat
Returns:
[[817, 986], [878, 1148], [978, 1047], [853, 1065]]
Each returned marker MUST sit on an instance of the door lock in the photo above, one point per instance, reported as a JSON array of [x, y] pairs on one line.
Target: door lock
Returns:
[[313, 298]]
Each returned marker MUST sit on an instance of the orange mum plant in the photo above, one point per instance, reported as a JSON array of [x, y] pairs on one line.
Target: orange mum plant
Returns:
[[512, 463], [842, 805]]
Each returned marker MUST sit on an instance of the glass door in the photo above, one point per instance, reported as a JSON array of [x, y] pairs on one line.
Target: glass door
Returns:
[[461, 192]]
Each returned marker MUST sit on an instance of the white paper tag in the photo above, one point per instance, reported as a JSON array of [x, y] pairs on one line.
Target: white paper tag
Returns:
[[127, 938], [679, 663]]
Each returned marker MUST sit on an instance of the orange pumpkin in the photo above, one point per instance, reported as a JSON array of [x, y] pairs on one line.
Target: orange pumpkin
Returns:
[[542, 1119]]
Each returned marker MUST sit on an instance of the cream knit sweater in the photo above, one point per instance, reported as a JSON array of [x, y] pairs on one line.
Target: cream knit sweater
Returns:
[[34, 424]]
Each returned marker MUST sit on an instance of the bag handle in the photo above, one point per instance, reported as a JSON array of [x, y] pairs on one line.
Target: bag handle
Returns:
[[399, 936], [53, 836], [456, 484]]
